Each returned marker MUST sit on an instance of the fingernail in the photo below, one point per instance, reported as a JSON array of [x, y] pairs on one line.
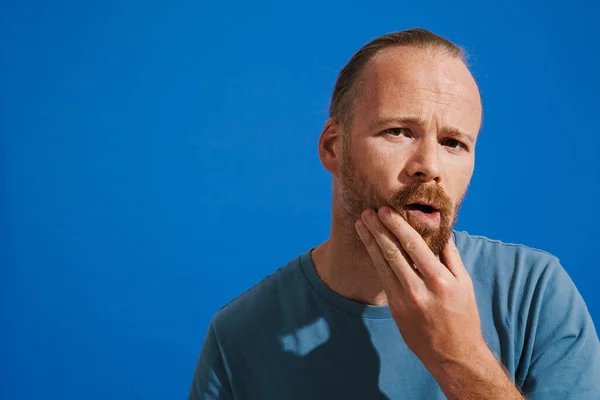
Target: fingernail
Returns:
[[368, 215], [384, 212], [360, 227]]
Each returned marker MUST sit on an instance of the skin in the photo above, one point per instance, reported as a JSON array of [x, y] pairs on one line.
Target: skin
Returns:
[[411, 137]]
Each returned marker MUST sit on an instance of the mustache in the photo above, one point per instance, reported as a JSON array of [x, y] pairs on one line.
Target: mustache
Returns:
[[415, 192]]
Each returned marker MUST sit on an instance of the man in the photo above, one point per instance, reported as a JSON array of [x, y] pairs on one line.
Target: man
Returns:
[[396, 304]]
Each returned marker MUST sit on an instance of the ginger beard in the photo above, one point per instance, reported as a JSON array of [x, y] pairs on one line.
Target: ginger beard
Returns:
[[359, 194]]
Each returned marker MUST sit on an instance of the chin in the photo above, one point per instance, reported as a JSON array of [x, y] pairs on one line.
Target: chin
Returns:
[[435, 238]]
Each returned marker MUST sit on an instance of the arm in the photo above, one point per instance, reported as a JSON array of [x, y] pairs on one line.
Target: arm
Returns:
[[210, 381], [561, 351], [433, 303], [480, 377]]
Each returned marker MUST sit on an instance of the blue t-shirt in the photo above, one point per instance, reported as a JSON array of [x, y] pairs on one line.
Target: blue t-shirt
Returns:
[[291, 337]]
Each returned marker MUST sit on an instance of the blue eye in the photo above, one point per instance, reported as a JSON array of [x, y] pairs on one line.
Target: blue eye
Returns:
[[397, 131]]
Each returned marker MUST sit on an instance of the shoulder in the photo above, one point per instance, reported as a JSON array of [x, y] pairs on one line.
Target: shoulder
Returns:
[[483, 255], [514, 274], [487, 247], [519, 278], [262, 303]]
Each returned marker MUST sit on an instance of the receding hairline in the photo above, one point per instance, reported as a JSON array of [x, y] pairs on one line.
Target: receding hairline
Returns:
[[348, 84], [355, 89]]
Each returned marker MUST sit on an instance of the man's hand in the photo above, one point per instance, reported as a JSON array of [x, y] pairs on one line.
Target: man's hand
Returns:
[[434, 306]]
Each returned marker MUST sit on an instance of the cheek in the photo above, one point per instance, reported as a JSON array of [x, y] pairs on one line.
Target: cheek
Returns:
[[386, 158], [376, 170], [457, 177], [385, 172]]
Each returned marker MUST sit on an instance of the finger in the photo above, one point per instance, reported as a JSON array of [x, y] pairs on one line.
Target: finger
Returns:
[[390, 250], [451, 258], [413, 243], [389, 281]]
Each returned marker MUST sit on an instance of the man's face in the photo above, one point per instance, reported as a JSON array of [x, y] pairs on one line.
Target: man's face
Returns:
[[412, 139]]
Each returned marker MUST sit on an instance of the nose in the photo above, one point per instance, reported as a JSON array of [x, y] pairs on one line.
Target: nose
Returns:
[[424, 164]]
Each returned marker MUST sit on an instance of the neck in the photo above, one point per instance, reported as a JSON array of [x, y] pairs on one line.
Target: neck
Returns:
[[343, 264]]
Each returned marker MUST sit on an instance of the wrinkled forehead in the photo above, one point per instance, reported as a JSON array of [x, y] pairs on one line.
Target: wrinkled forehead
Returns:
[[416, 80]]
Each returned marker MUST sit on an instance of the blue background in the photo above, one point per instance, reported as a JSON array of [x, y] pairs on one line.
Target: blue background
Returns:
[[159, 158]]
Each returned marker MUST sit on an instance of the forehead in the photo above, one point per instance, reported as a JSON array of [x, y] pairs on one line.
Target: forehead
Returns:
[[424, 83]]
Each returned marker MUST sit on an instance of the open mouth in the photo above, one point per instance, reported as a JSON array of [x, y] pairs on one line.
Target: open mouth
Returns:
[[427, 209]]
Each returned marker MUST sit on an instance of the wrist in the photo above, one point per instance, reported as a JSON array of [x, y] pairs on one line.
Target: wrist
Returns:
[[478, 373], [474, 361]]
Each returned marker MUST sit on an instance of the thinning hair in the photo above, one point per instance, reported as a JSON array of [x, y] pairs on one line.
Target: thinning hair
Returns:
[[347, 84]]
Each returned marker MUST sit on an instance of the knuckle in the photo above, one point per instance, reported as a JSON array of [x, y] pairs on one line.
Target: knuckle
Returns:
[[411, 245], [442, 282], [390, 254], [443, 285], [417, 298]]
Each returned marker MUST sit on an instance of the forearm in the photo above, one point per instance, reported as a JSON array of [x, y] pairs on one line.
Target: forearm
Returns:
[[480, 376]]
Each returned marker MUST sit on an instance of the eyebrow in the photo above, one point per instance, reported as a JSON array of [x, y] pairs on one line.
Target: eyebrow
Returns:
[[414, 120]]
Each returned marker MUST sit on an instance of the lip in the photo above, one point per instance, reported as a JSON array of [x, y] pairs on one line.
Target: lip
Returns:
[[425, 203], [432, 219]]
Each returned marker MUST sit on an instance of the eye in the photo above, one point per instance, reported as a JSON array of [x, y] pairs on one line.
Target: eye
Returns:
[[453, 143], [397, 131]]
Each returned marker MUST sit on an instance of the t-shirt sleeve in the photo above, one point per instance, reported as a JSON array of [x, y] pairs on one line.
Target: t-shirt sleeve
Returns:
[[564, 350], [210, 381]]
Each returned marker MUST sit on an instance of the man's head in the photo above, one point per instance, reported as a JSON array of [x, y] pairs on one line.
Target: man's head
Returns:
[[405, 114]]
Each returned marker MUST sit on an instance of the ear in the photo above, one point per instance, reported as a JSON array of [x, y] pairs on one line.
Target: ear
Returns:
[[330, 146]]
